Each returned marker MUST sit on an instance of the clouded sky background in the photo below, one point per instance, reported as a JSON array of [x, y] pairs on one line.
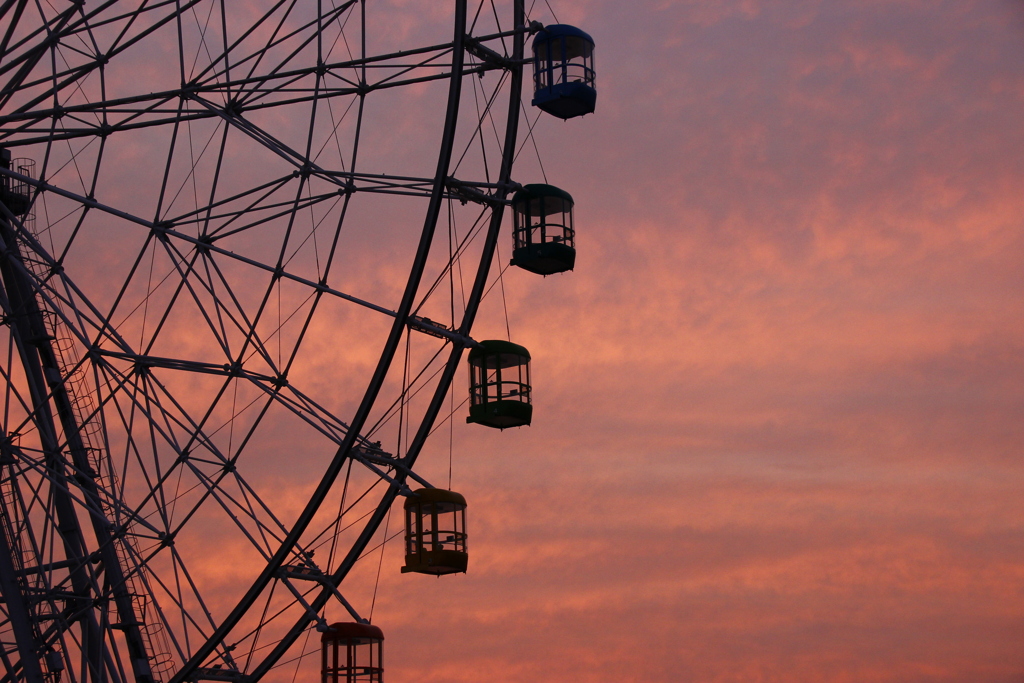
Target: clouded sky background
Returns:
[[780, 401], [778, 405]]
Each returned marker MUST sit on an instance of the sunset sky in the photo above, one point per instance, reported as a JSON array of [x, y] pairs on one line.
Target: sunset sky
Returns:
[[780, 402], [778, 405]]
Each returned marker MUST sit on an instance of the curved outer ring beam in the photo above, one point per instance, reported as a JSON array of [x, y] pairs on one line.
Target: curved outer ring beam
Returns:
[[376, 382], [451, 366]]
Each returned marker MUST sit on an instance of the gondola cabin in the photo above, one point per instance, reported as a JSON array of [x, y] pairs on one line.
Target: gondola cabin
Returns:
[[563, 71], [544, 234], [499, 385], [435, 532], [352, 653]]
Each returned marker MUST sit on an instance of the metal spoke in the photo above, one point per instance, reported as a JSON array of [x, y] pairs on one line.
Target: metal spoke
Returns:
[[158, 326]]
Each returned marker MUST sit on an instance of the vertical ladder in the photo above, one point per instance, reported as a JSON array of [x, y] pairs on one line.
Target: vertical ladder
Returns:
[[61, 433], [74, 376]]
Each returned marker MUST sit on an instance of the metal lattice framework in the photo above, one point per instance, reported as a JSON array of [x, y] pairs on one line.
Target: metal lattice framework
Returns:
[[214, 274]]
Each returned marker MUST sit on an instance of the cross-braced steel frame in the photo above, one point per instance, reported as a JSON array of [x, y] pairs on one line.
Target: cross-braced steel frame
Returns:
[[200, 225]]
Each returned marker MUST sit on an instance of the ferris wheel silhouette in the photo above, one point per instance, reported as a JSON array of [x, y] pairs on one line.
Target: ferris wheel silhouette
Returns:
[[201, 229]]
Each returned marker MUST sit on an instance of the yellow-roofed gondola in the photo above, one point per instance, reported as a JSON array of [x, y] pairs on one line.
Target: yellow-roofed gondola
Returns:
[[352, 653], [435, 532]]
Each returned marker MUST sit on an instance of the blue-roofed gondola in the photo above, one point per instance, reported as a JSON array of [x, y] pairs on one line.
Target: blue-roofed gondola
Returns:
[[563, 71]]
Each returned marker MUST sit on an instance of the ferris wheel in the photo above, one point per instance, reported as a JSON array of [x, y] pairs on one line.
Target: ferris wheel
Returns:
[[242, 243]]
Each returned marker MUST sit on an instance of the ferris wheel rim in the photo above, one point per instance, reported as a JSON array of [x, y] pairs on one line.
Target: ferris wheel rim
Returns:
[[403, 320]]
